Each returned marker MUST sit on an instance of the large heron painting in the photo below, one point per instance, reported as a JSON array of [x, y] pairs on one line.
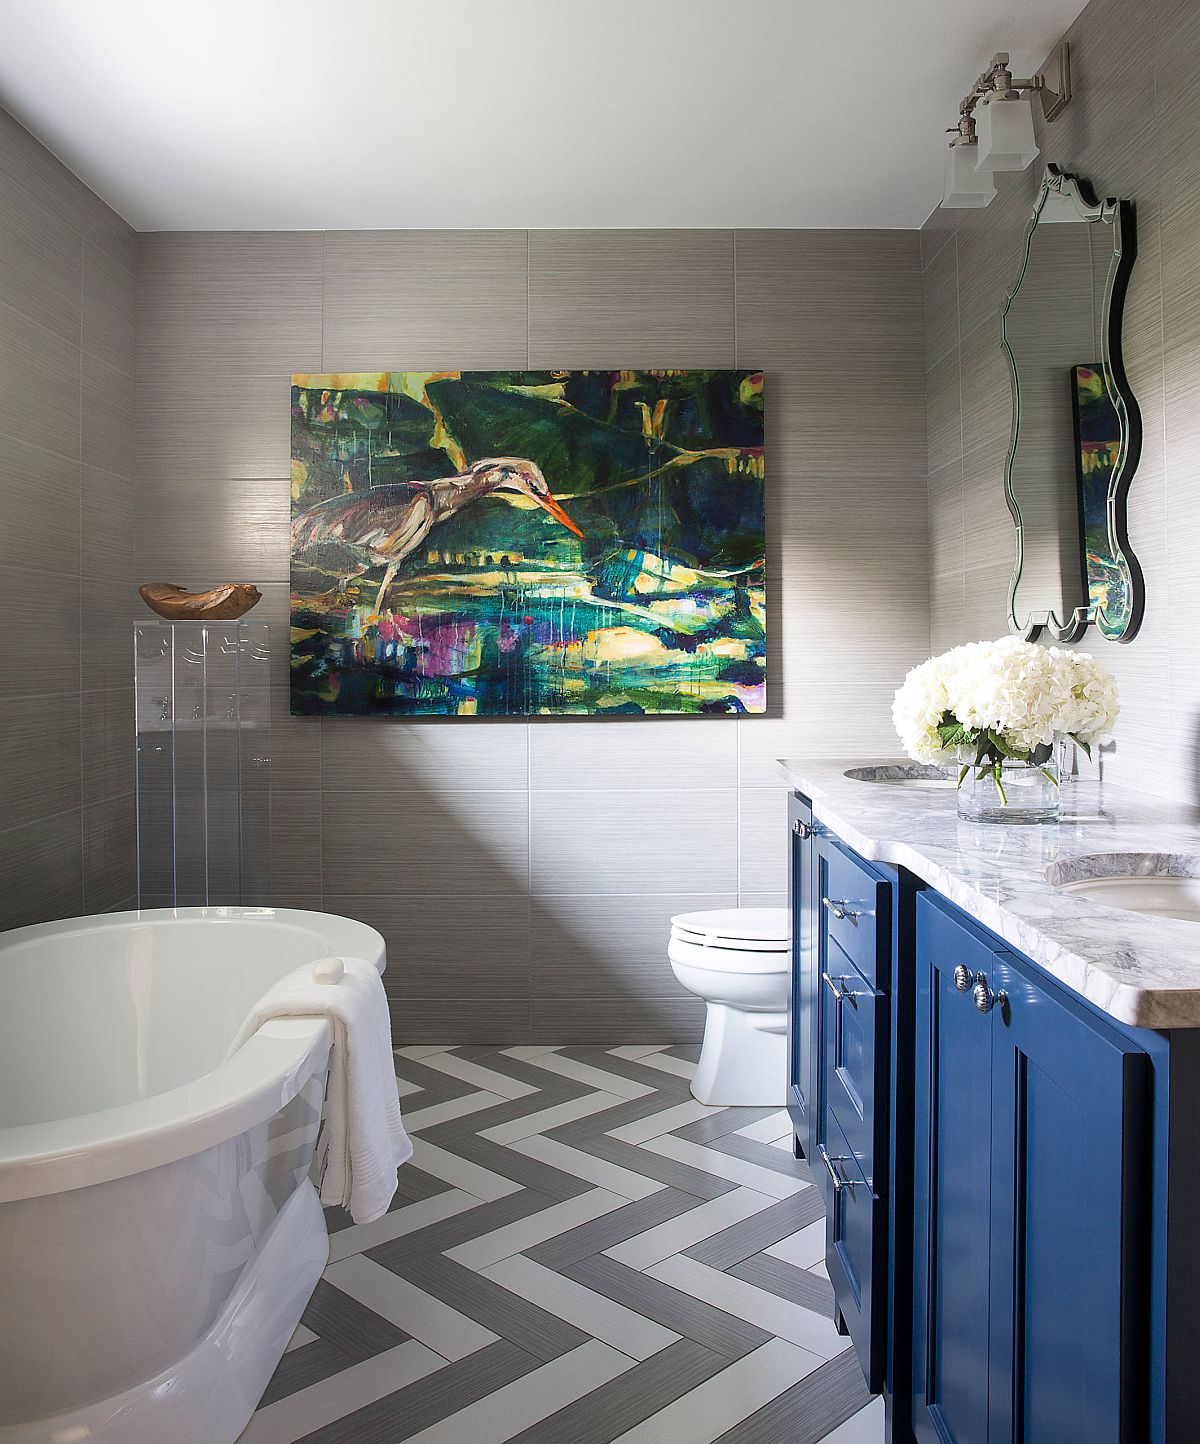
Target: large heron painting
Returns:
[[528, 542]]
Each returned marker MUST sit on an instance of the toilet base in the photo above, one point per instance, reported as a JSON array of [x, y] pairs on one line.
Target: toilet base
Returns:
[[743, 1063]]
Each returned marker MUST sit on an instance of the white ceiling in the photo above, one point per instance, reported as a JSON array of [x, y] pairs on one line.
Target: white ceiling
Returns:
[[309, 114]]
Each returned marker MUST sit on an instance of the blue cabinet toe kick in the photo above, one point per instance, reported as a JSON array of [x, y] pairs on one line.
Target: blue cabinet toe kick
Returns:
[[998, 1161]]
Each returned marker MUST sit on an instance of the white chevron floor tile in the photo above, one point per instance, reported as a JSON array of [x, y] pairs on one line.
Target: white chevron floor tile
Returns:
[[361, 1236], [668, 1063], [654, 1124], [554, 1117], [868, 1426], [739, 1390], [490, 1248], [686, 1229], [488, 1079], [534, 1396], [417, 1051], [587, 1310], [804, 1249], [406, 1088], [770, 1312], [523, 1052], [299, 1338], [637, 1050], [767, 1130], [583, 1165], [309, 1409], [461, 1172], [467, 1103], [429, 1320], [723, 1165], [590, 1076]]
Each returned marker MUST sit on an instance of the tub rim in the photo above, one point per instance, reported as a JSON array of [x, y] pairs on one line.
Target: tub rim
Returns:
[[262, 1077]]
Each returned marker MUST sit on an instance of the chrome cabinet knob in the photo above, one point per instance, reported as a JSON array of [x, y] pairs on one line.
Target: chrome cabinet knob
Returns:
[[963, 978], [985, 999], [802, 829]]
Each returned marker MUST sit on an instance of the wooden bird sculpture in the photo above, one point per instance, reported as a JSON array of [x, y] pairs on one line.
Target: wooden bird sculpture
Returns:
[[381, 526]]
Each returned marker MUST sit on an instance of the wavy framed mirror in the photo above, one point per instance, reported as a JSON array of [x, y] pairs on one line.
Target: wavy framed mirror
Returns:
[[1076, 429]]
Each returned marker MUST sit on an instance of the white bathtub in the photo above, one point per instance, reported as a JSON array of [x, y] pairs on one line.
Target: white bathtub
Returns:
[[159, 1237]]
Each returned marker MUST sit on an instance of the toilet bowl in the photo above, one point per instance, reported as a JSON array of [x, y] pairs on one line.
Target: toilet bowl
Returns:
[[738, 961]]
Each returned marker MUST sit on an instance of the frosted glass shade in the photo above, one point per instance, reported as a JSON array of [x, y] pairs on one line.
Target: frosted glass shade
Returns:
[[1005, 135], [966, 186]]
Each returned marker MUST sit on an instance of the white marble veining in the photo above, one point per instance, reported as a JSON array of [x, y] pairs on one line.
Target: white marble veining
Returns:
[[1142, 970]]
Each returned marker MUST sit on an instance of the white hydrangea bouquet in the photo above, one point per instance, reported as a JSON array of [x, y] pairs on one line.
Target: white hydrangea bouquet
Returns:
[[993, 706]]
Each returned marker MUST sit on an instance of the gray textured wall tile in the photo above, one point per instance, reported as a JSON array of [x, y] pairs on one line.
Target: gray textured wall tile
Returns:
[[106, 505], [633, 841], [648, 1019], [196, 428], [429, 755], [448, 947], [109, 852], [234, 303], [220, 529], [610, 946], [614, 753], [41, 770], [425, 844], [40, 490], [41, 253], [762, 838], [424, 300], [42, 877], [39, 392], [631, 298]]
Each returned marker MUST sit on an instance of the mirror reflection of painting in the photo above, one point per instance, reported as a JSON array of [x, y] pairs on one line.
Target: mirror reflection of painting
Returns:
[[519, 543], [1097, 451]]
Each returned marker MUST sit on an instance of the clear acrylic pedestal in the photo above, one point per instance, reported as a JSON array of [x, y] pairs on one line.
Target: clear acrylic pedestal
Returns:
[[202, 708]]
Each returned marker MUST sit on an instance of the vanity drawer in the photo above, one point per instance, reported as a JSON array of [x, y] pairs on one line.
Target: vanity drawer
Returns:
[[856, 1253], [854, 1054], [854, 907]]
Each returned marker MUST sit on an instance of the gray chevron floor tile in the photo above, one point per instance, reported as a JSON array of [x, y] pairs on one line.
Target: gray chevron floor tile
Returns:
[[608, 1412], [357, 1331], [438, 1329], [400, 1415], [522, 1323], [789, 1282], [693, 1318], [704, 1130], [759, 1231], [612, 1228], [809, 1410], [306, 1365]]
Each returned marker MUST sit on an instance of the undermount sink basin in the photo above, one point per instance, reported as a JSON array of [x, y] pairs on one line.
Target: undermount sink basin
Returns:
[[1155, 884], [902, 774]]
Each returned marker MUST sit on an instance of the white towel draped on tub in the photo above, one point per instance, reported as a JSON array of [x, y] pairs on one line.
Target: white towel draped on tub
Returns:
[[365, 1138]]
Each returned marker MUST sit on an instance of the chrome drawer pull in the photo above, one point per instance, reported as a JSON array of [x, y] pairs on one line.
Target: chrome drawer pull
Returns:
[[841, 909], [837, 986], [963, 978], [837, 1173]]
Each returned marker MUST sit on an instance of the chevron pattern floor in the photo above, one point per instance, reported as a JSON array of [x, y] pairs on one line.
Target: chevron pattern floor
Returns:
[[579, 1253]]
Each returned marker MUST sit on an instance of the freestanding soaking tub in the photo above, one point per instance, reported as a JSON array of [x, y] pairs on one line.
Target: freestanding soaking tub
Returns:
[[159, 1235]]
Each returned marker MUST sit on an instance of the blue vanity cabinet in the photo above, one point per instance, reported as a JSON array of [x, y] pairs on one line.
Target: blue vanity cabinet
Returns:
[[1031, 1189], [803, 1000]]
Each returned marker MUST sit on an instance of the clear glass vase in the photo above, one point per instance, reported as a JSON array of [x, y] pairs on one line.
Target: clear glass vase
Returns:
[[1025, 794]]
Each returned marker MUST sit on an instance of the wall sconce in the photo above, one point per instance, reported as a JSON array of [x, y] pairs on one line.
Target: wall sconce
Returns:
[[1003, 138]]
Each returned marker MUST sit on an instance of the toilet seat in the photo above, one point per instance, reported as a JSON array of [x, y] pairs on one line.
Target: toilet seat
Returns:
[[736, 930], [727, 959]]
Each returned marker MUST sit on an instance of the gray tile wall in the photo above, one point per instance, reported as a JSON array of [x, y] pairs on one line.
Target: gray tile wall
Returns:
[[67, 283], [1133, 130], [523, 874]]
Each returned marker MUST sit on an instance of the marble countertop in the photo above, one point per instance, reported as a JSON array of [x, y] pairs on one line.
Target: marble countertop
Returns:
[[1141, 970]]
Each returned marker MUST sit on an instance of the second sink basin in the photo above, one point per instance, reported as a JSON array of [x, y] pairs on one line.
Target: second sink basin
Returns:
[[1158, 885]]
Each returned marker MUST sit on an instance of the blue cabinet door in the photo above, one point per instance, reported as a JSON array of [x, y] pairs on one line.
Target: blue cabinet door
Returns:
[[803, 1001], [1070, 1254], [952, 1185]]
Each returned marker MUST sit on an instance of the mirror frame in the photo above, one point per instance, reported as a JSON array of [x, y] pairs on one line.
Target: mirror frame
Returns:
[[1118, 214]]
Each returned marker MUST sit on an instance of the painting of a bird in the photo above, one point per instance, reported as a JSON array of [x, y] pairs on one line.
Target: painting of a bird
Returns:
[[381, 526]]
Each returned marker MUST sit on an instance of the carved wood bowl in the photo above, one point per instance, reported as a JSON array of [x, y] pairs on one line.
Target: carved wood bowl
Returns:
[[219, 604]]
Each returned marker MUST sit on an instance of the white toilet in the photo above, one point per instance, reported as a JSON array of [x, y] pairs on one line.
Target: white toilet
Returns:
[[737, 960]]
